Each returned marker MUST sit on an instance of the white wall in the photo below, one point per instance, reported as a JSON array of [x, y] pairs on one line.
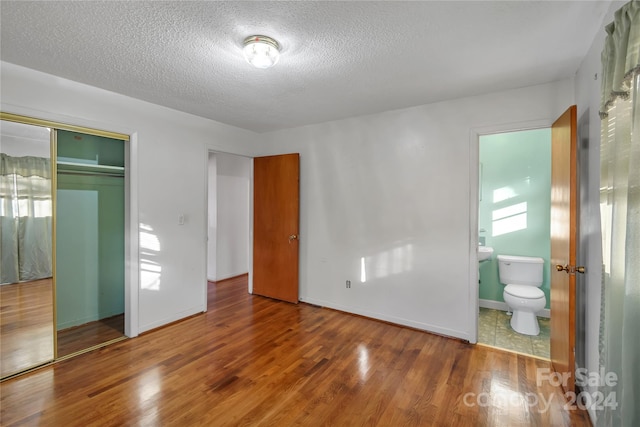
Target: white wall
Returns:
[[394, 189], [587, 89], [167, 158], [233, 183], [18, 146]]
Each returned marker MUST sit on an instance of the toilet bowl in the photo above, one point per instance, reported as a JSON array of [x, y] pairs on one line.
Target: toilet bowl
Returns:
[[523, 278], [525, 302]]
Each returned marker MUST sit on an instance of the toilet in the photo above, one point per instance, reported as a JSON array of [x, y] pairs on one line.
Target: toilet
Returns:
[[523, 278]]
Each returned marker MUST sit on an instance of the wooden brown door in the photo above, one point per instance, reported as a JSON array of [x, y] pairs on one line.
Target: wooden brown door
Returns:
[[564, 230], [275, 226]]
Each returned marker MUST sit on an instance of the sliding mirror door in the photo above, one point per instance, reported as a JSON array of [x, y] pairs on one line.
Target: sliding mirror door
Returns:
[[26, 275]]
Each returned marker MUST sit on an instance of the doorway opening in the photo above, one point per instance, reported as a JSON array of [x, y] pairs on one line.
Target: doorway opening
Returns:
[[514, 220], [228, 221], [90, 241]]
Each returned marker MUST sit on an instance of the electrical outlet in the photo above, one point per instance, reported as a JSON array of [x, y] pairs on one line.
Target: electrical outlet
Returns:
[[348, 284]]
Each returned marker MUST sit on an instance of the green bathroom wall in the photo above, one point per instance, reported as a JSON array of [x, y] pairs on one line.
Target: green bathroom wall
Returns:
[[90, 149], [89, 232], [515, 205]]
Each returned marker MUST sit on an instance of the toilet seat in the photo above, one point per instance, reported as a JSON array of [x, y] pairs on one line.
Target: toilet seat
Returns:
[[524, 291]]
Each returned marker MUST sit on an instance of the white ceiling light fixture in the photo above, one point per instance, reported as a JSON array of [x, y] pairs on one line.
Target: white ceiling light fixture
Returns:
[[261, 51]]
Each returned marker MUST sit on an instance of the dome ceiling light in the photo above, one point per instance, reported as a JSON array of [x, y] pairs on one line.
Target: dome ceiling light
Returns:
[[261, 51]]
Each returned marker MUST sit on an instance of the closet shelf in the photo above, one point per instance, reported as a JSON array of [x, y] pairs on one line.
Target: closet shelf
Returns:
[[88, 166]]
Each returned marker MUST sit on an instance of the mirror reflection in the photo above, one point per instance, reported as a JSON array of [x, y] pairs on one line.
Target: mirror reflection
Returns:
[[26, 284]]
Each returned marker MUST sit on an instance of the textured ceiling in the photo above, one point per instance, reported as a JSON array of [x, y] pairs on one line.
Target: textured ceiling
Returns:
[[339, 59]]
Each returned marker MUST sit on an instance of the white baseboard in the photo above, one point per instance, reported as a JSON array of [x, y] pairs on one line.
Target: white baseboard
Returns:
[[174, 317], [436, 329], [227, 276], [502, 306]]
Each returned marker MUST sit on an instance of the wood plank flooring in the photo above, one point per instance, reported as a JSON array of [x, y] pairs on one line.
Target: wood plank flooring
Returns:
[[26, 325], [26, 328], [78, 338], [253, 361]]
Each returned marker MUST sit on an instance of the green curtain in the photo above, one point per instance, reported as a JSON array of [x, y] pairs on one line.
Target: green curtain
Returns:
[[25, 218], [617, 401], [621, 55]]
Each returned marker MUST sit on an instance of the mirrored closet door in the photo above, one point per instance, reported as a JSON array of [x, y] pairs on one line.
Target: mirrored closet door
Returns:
[[26, 269]]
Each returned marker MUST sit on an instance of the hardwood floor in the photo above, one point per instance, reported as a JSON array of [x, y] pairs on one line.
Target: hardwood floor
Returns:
[[26, 325], [254, 361], [90, 334], [26, 328]]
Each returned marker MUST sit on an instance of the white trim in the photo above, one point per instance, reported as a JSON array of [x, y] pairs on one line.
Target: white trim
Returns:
[[173, 318], [427, 327], [228, 276], [512, 127], [205, 289], [131, 247], [502, 306], [474, 273]]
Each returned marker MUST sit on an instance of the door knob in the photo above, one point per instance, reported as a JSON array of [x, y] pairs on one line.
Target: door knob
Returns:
[[293, 237], [570, 269]]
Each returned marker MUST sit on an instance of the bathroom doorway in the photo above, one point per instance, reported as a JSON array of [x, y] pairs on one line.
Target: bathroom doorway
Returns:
[[514, 219]]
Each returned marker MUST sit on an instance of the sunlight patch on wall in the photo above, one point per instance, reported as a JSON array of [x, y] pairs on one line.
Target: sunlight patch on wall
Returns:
[[394, 261], [148, 240], [509, 219], [150, 270], [504, 193]]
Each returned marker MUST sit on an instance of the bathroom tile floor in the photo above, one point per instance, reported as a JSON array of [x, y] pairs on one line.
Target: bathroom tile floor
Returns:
[[494, 329]]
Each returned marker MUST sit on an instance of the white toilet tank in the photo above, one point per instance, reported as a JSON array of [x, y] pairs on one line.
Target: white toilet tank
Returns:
[[520, 270]]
